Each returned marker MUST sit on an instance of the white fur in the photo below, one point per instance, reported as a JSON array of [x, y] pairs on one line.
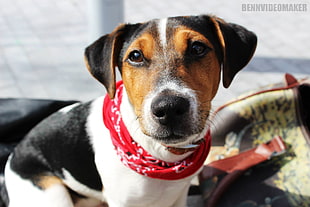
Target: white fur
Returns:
[[23, 193], [162, 28], [66, 109]]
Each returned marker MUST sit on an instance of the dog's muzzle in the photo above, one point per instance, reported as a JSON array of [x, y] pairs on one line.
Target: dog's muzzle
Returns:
[[172, 116]]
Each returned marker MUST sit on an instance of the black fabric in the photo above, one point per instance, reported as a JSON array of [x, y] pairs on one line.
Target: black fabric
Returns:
[[17, 117], [304, 91]]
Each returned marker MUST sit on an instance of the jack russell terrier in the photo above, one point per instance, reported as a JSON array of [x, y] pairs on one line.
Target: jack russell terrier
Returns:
[[141, 144]]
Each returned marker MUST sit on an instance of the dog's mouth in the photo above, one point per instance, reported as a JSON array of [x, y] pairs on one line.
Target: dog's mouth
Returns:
[[171, 136], [179, 145], [179, 150]]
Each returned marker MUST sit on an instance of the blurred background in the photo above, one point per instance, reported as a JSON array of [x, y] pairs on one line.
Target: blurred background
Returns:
[[42, 42]]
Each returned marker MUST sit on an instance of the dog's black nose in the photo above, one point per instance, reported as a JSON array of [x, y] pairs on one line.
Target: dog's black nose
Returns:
[[169, 109]]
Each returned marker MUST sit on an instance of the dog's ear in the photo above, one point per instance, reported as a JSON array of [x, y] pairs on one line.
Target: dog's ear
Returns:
[[238, 46], [102, 56]]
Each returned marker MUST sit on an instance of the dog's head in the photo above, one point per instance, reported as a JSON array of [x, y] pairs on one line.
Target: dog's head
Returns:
[[171, 69]]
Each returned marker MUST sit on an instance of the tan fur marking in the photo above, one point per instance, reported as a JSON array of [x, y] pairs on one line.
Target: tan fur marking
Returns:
[[46, 182], [183, 34], [138, 81], [144, 43], [202, 76], [220, 35], [138, 84], [219, 31], [87, 64]]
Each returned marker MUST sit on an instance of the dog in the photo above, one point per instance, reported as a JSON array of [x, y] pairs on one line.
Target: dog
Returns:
[[143, 142]]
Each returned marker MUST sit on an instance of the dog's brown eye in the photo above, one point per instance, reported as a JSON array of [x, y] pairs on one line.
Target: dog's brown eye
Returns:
[[199, 49], [136, 56]]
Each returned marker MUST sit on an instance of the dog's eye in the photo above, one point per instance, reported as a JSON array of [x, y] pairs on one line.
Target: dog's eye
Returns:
[[136, 56], [199, 49]]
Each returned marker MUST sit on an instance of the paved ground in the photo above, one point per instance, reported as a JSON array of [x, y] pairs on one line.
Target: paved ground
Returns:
[[42, 43]]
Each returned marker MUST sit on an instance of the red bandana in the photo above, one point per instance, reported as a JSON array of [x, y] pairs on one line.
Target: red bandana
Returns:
[[135, 157]]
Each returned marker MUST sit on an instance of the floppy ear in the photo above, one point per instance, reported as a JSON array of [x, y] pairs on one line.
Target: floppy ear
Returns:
[[101, 58], [238, 46]]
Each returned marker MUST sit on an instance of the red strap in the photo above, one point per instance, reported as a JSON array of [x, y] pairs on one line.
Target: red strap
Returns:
[[235, 166], [290, 79]]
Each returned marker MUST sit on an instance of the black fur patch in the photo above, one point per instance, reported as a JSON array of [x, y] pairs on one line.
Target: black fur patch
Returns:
[[58, 142]]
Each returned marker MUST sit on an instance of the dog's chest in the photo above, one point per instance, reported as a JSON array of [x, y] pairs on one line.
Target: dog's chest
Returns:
[[122, 186]]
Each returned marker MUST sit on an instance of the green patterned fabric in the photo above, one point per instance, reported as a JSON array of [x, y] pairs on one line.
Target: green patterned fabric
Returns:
[[255, 118]]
